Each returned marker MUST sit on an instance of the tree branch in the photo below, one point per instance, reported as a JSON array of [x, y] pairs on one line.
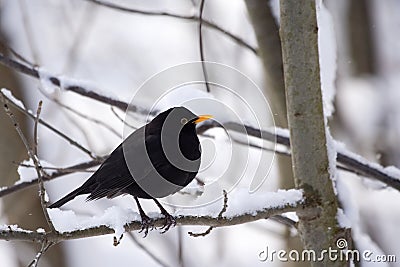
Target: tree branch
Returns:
[[33, 72], [355, 163], [147, 251], [194, 18], [61, 172], [32, 236], [51, 128], [201, 46], [352, 163], [208, 231], [39, 171]]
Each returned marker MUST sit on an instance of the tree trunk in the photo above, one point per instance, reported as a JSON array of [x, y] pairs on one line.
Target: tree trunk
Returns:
[[318, 226]]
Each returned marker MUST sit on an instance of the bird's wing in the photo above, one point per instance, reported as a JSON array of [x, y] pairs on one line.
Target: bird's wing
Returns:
[[127, 160]]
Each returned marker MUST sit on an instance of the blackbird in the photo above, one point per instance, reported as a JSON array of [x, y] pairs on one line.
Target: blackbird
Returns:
[[154, 161]]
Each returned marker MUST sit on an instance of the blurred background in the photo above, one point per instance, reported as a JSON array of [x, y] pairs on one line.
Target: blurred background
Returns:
[[118, 51]]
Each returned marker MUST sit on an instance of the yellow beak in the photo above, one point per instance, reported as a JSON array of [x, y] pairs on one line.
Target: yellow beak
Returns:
[[203, 118]]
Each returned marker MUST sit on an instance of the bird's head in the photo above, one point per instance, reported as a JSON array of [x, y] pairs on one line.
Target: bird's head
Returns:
[[177, 119]]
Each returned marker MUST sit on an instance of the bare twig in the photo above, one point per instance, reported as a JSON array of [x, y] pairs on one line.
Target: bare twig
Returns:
[[51, 128], [40, 171], [45, 246], [33, 156], [35, 128], [194, 18], [147, 251], [61, 172], [225, 206], [181, 260], [284, 220], [33, 236], [13, 52], [82, 115], [121, 119], [203, 63], [64, 170]]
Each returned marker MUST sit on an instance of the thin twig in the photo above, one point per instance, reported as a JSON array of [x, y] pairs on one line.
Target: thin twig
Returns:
[[33, 156], [51, 128], [61, 172], [121, 119], [147, 251], [223, 210], [86, 117], [284, 220], [64, 170], [40, 171], [35, 128], [44, 248], [180, 247], [13, 52], [194, 18], [202, 59]]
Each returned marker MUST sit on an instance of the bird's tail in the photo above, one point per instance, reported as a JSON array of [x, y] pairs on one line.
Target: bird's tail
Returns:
[[67, 198]]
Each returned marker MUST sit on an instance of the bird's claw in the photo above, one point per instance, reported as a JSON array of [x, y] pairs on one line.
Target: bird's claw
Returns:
[[169, 221], [146, 224]]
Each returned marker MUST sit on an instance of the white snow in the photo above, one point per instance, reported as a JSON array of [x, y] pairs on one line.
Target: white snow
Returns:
[[12, 98], [281, 132], [327, 56], [66, 82], [114, 217], [241, 202], [13, 227], [332, 155], [40, 230], [291, 215], [342, 219], [48, 88], [392, 171], [27, 174]]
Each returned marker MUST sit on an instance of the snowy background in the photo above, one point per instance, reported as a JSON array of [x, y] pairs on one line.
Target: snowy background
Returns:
[[117, 52]]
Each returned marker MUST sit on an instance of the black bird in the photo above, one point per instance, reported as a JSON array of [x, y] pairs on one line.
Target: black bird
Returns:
[[155, 161]]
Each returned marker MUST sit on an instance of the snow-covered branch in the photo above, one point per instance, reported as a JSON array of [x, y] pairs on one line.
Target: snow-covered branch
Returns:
[[238, 212]]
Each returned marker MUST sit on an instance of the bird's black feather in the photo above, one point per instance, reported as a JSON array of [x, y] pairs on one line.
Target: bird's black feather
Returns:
[[148, 162]]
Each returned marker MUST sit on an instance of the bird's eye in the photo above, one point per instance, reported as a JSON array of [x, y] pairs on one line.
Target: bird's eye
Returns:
[[184, 121]]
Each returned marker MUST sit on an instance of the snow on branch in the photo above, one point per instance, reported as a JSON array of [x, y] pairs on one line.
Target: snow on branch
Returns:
[[117, 220], [69, 85]]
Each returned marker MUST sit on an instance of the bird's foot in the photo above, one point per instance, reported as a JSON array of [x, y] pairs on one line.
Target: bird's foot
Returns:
[[169, 221], [146, 224]]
